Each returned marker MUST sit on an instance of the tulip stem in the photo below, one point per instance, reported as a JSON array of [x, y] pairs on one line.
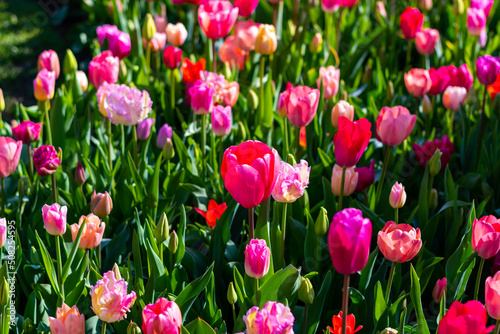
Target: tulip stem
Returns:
[[341, 196], [285, 140], [283, 232], [3, 196], [234, 313], [214, 57], [497, 327], [161, 251], [30, 161], [345, 303], [396, 215], [168, 168], [257, 291], [275, 14], [59, 266], [172, 89], [382, 176], [203, 139], [45, 107], [261, 89], [339, 25], [304, 328], [54, 188], [148, 58], [408, 53], [478, 279], [250, 224], [103, 328], [481, 126], [389, 282], [134, 143], [110, 145]]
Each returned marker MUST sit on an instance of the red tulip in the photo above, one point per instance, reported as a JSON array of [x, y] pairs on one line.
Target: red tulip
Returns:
[[465, 318], [351, 141], [172, 57], [337, 324], [440, 79], [411, 22], [191, 71], [213, 212]]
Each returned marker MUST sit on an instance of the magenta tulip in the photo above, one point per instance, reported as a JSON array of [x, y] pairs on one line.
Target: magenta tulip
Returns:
[[50, 61], [246, 7], [163, 317], [221, 120], [300, 104], [202, 98], [27, 132], [54, 219], [104, 68], [257, 258], [46, 160], [217, 18], [164, 134], [486, 236], [144, 128]]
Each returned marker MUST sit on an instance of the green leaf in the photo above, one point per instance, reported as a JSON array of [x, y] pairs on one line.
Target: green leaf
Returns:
[[181, 230], [199, 326], [184, 156], [48, 264], [187, 296], [75, 294], [380, 304], [136, 251], [73, 251], [316, 308], [271, 290], [267, 120], [154, 260], [140, 189], [417, 302]]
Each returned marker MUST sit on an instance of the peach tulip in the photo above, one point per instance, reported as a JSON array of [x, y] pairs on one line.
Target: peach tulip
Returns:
[[418, 82], [245, 34], [350, 181], [426, 41], [176, 34], [342, 108], [330, 77], [92, 232], [453, 97], [399, 242], [266, 41], [68, 321]]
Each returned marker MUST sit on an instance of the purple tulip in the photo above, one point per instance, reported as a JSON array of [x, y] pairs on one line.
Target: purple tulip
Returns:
[[164, 133], [144, 128]]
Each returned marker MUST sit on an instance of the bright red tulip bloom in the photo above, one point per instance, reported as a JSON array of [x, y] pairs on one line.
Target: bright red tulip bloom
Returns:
[[348, 3], [249, 172], [465, 318], [494, 88], [351, 141], [440, 79], [191, 71], [411, 22], [213, 213], [337, 324], [425, 152], [217, 18], [172, 57], [246, 7]]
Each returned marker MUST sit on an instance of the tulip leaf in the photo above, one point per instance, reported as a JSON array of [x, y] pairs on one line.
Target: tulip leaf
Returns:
[[73, 251], [75, 294], [275, 286], [199, 326], [187, 296], [417, 302], [154, 260], [267, 120], [423, 200], [316, 308], [380, 304], [139, 188], [48, 264], [184, 156], [136, 251], [181, 233]]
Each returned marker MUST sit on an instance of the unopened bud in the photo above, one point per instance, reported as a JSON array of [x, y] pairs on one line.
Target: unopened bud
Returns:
[[252, 100], [435, 163], [133, 328], [232, 297], [389, 330], [173, 242], [433, 200], [70, 65], [101, 204], [162, 229], [306, 291], [322, 223], [4, 292], [426, 105], [123, 71], [390, 91], [80, 176], [168, 149], [316, 44], [149, 28], [116, 270], [2, 101]]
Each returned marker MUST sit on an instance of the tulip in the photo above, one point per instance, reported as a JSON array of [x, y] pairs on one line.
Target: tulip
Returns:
[[191, 71], [249, 172], [172, 57], [399, 242], [229, 53], [439, 290], [144, 128], [366, 176], [119, 41], [83, 82], [125, 105], [494, 89], [173, 242], [44, 85], [351, 140], [425, 152], [460, 77], [164, 133], [330, 6], [394, 125], [148, 28], [266, 41], [228, 94], [245, 34], [330, 78], [202, 98], [246, 7], [397, 198], [10, 152], [465, 318], [316, 44], [486, 236], [104, 68], [453, 97], [426, 41], [221, 121], [418, 82], [110, 301], [54, 219], [440, 78], [157, 43], [68, 321], [27, 132], [425, 4], [348, 3], [161, 24], [476, 21], [3, 232], [217, 18], [164, 317], [350, 181], [80, 176], [492, 296], [46, 160], [337, 324], [300, 103], [484, 5], [291, 181], [50, 61], [349, 241], [193, 2], [488, 68], [2, 102], [380, 9], [176, 34], [273, 317], [92, 231], [344, 109], [411, 22], [257, 258], [105, 31], [213, 213], [101, 204]]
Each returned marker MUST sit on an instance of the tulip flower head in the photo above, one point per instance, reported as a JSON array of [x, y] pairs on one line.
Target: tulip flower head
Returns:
[[484, 5], [291, 181], [246, 7], [92, 231], [465, 318], [101, 204], [245, 34], [80, 176], [164, 317], [257, 258], [330, 6], [44, 85], [157, 43], [221, 120], [119, 41], [394, 125], [54, 218], [453, 97], [83, 82], [266, 41], [486, 236], [440, 79], [104, 68], [68, 320], [50, 61], [164, 133], [144, 128], [425, 152], [494, 88], [460, 77], [399, 242], [426, 41], [411, 22], [418, 82], [46, 160], [172, 57], [213, 213], [176, 34], [439, 289], [342, 108], [191, 72], [27, 131], [366, 176], [351, 140], [202, 97], [488, 69], [337, 324], [492, 296], [397, 198], [476, 21], [330, 76], [300, 104], [273, 317], [124, 105], [231, 54], [10, 152], [350, 182], [217, 18]]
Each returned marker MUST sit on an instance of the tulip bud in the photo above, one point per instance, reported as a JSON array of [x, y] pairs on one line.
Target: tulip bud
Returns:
[[397, 198], [433, 200], [70, 64], [133, 328], [266, 41], [316, 44], [116, 270], [232, 297], [389, 330], [162, 229], [29, 327], [242, 133], [81, 77], [4, 293], [252, 100], [390, 91], [425, 4], [439, 289], [458, 7], [322, 223], [168, 149], [149, 28], [80, 176], [122, 74], [2, 101], [426, 105], [306, 291], [101, 204], [435, 163], [173, 242]]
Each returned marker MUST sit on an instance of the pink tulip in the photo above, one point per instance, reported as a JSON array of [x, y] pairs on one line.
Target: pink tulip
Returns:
[[492, 296], [486, 236], [330, 77], [157, 43], [453, 97], [217, 18], [342, 109], [80, 176], [221, 121], [163, 317], [245, 34], [27, 131], [110, 301], [465, 318], [439, 289], [426, 41], [316, 44], [176, 34], [399, 242], [257, 258], [425, 5], [202, 98], [44, 85], [104, 68], [366, 176], [119, 41], [349, 241], [460, 77], [300, 103], [397, 198], [92, 232], [246, 7], [380, 9], [144, 128], [273, 317], [125, 105], [350, 181], [161, 23], [330, 6], [46, 160], [418, 82], [440, 79], [172, 57], [101, 204], [231, 54], [291, 181], [476, 21], [164, 134], [3, 232], [50, 61], [228, 94], [68, 321], [394, 125], [484, 5], [105, 31], [348, 3], [54, 219], [249, 172], [83, 82]]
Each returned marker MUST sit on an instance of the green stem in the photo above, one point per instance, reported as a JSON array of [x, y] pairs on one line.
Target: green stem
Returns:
[[3, 196], [345, 303], [234, 313], [250, 224], [339, 26], [481, 127], [168, 168], [478, 279], [382, 176], [172, 89], [110, 144], [283, 232], [285, 139], [161, 251], [203, 140], [257, 291], [389, 283], [214, 57], [30, 161], [59, 266], [134, 134], [342, 183], [396, 215], [148, 58], [54, 188], [261, 88], [408, 53], [45, 105], [305, 318], [497, 327], [103, 328], [122, 144]]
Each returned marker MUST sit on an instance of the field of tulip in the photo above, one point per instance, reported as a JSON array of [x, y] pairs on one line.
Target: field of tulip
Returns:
[[246, 166]]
